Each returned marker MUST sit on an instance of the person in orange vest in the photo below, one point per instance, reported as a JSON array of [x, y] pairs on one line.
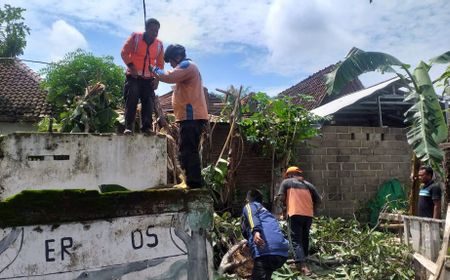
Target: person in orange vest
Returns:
[[189, 107], [300, 198], [140, 51]]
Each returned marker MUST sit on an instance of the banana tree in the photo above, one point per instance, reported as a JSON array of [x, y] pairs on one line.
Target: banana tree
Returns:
[[426, 124]]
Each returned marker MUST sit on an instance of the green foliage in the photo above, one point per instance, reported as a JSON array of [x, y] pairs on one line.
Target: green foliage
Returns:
[[427, 127], [226, 233], [215, 180], [277, 123], [13, 31], [427, 124], [93, 113], [358, 62], [444, 79], [346, 249], [363, 253], [44, 124], [68, 79], [286, 273]]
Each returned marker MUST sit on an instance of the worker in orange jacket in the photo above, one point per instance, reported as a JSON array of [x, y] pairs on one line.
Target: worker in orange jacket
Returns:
[[139, 52], [189, 107], [299, 198]]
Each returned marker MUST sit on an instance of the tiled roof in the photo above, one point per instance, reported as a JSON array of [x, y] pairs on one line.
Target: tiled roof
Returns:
[[315, 87], [21, 98], [215, 104]]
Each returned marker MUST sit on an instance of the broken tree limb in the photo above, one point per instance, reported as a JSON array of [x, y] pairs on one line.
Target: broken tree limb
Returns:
[[228, 263], [232, 125]]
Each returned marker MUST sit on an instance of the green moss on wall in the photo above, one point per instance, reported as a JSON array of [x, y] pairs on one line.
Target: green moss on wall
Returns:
[[59, 206]]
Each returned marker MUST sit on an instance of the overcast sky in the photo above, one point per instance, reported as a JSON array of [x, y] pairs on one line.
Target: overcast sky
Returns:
[[267, 45]]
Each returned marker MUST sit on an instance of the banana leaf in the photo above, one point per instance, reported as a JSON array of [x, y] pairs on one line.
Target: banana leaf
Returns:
[[443, 58], [356, 63], [427, 126]]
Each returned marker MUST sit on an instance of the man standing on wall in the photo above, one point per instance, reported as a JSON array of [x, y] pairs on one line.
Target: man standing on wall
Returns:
[[299, 198], [140, 51], [430, 194], [189, 107]]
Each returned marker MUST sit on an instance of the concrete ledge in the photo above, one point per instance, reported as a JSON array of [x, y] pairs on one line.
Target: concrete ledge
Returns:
[[59, 206]]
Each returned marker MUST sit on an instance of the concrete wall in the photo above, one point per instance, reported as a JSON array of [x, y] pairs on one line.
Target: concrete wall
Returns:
[[348, 164], [11, 127], [171, 244], [67, 161]]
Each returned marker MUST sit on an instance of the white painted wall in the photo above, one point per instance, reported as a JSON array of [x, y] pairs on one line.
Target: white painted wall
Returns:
[[11, 127], [138, 247], [67, 161]]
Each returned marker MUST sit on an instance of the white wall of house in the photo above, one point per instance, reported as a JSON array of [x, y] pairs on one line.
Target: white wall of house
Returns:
[[11, 127], [72, 161]]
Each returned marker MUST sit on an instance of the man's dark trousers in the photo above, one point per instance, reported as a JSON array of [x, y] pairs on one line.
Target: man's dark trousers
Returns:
[[136, 89], [188, 153], [264, 266], [300, 227]]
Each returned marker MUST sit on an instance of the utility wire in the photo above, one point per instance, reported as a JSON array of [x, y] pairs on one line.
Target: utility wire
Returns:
[[145, 11], [27, 60]]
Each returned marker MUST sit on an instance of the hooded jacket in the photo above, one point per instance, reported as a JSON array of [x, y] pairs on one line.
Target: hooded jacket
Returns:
[[257, 218]]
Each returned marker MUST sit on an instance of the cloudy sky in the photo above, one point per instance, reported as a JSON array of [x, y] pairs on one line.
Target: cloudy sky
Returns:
[[267, 45]]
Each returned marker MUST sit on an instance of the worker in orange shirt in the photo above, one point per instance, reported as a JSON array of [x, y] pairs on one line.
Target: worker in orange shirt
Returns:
[[189, 107], [139, 52], [299, 198]]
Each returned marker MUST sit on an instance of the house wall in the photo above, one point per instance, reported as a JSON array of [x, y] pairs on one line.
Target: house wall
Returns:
[[349, 163], [72, 161], [11, 127]]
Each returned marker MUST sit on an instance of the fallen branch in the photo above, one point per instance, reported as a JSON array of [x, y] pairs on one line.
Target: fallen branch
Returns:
[[228, 263]]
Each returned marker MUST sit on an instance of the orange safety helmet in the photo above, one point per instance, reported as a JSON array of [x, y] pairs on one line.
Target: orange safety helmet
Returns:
[[291, 170]]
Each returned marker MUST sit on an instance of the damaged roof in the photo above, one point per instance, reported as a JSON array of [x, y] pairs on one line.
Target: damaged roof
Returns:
[[352, 98], [215, 104], [21, 98], [315, 87]]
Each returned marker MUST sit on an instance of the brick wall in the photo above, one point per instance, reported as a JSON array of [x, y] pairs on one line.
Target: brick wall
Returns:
[[254, 170], [348, 164]]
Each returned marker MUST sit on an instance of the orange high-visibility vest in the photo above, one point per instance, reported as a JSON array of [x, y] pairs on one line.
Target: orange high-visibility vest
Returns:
[[141, 55]]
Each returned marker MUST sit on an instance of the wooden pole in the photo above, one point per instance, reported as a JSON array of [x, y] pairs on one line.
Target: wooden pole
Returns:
[[414, 191]]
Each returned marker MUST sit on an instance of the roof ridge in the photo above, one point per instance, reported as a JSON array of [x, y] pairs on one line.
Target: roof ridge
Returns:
[[22, 66], [312, 76]]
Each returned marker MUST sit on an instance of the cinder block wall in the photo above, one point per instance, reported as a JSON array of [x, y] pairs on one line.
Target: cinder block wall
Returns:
[[348, 165]]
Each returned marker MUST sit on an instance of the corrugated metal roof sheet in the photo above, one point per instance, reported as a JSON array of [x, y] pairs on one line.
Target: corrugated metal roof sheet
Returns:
[[349, 99]]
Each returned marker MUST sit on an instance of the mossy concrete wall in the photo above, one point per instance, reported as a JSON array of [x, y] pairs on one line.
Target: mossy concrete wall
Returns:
[[33, 161], [11, 127], [153, 234]]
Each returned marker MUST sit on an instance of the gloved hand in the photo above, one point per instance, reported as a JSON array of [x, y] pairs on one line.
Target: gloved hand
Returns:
[[154, 69]]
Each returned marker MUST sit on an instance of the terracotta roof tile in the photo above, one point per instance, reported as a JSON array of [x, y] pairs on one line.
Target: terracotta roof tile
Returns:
[[215, 104], [315, 86], [21, 98]]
